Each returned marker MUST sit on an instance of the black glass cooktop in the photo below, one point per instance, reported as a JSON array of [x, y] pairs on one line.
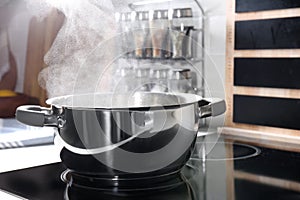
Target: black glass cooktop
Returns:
[[229, 171]]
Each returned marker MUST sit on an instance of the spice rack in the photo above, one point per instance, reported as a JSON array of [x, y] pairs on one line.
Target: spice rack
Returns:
[[156, 36]]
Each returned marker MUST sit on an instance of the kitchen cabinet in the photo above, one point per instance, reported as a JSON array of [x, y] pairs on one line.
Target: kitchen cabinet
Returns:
[[262, 69]]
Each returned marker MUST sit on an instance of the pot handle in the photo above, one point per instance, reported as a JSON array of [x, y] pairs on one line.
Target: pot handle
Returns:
[[33, 115], [211, 107]]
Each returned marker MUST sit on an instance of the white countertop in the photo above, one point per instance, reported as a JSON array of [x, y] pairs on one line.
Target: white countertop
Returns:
[[25, 157], [13, 134], [19, 158], [24, 146]]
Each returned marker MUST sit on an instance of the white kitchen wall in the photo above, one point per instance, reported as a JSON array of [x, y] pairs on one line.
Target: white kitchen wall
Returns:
[[215, 37], [215, 47], [215, 52]]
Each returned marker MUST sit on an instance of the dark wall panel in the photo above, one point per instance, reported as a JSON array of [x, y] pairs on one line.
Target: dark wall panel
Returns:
[[259, 5], [267, 111], [267, 72], [282, 33]]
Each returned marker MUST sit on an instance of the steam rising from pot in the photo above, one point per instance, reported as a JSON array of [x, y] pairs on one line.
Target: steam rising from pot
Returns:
[[71, 68]]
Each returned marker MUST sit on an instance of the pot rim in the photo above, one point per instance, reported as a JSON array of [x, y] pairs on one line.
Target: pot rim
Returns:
[[91, 101]]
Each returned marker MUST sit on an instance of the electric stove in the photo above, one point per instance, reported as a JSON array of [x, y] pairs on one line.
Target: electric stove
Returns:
[[231, 170]]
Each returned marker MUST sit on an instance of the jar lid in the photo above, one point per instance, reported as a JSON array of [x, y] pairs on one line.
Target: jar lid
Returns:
[[142, 72], [126, 16], [180, 73], [159, 72], [125, 71], [160, 14], [142, 15], [182, 12]]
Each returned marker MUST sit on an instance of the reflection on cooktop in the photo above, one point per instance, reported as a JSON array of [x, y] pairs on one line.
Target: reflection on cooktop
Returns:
[[45, 183], [240, 151], [270, 174], [180, 186]]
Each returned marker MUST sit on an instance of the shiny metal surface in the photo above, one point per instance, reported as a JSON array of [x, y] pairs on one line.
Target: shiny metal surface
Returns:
[[177, 37], [125, 132], [180, 80], [180, 73], [159, 72], [160, 14], [142, 72], [138, 100], [182, 12], [142, 15]]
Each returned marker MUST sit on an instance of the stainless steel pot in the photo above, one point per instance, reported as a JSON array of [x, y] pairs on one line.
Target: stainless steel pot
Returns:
[[139, 133]]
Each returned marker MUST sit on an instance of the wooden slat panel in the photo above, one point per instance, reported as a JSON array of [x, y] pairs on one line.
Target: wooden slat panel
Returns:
[[278, 53], [232, 17], [267, 92], [264, 136], [229, 60], [41, 36], [294, 12]]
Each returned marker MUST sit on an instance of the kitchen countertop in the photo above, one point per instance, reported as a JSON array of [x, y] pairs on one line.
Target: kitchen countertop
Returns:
[[19, 158], [36, 145], [23, 147]]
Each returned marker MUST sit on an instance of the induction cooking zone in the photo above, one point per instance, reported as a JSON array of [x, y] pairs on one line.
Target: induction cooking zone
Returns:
[[231, 170]]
